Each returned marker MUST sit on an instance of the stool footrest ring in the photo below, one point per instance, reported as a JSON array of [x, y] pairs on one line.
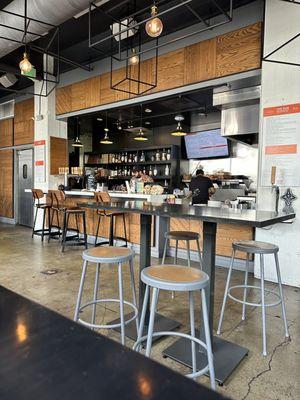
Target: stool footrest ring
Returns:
[[112, 326], [253, 304], [203, 371]]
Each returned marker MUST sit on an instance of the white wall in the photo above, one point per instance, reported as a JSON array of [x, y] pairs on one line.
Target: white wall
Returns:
[[281, 86]]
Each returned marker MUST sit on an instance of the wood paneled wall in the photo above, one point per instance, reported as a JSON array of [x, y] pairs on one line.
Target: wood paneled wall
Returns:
[[223, 55], [6, 183], [23, 122], [58, 154], [7, 132]]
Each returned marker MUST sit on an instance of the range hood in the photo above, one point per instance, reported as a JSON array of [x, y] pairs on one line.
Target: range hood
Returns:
[[239, 113]]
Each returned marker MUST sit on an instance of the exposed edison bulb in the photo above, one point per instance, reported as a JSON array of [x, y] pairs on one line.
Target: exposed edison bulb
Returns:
[[134, 59], [25, 65], [154, 26]]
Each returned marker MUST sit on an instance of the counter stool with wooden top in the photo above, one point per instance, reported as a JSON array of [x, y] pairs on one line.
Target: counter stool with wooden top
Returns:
[[180, 279], [186, 236], [104, 197], [108, 255], [58, 207], [37, 195], [261, 249]]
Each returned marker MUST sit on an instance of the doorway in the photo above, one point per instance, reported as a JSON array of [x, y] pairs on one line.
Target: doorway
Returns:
[[25, 181]]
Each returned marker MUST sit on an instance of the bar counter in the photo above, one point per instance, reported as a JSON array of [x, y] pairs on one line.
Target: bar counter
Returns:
[[226, 233]]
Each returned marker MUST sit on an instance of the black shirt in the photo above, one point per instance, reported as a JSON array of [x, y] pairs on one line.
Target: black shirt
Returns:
[[199, 187]]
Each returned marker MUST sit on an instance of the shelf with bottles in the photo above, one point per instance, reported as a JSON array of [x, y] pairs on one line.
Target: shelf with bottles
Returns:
[[145, 155]]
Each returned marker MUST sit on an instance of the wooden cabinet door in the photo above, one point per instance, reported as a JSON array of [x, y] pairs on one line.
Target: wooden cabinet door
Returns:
[[63, 100], [23, 122], [6, 132], [6, 183], [200, 61], [239, 50]]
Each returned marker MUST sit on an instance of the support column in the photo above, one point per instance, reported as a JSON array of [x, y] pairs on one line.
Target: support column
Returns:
[[280, 87]]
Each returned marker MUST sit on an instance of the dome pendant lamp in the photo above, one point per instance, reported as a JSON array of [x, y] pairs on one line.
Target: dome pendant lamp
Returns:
[[106, 139], [140, 137]]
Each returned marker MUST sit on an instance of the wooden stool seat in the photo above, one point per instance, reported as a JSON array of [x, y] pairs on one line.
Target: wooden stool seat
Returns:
[[108, 254], [37, 195], [175, 277], [255, 247], [43, 206], [104, 197], [182, 235]]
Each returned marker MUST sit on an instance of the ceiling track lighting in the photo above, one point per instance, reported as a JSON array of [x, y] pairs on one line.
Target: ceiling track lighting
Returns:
[[140, 137], [154, 26], [106, 139]]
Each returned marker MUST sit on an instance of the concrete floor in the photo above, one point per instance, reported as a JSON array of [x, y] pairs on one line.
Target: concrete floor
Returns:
[[275, 377]]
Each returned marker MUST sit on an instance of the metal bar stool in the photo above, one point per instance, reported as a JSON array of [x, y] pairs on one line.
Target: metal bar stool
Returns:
[[37, 195], [110, 255], [104, 197], [57, 205], [187, 237], [261, 248], [182, 279]]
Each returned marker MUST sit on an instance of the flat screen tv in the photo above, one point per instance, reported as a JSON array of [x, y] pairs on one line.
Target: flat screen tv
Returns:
[[206, 144]]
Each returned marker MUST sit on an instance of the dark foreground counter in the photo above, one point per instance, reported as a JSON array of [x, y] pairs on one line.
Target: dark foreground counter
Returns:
[[46, 356]]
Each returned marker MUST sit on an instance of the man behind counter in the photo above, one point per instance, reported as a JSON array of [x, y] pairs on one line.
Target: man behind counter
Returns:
[[201, 188]]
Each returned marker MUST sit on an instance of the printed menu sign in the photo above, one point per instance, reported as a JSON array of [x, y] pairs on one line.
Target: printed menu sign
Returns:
[[281, 145], [40, 160]]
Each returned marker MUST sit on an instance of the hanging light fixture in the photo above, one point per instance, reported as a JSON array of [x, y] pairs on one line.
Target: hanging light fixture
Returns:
[[77, 142], [140, 137], [25, 65], [179, 131], [106, 139], [134, 59], [154, 26]]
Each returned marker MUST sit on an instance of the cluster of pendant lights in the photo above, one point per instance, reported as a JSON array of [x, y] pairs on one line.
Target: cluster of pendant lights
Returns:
[[140, 136], [153, 27]]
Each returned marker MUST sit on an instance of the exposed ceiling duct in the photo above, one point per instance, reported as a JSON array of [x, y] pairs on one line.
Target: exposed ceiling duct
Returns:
[[43, 10]]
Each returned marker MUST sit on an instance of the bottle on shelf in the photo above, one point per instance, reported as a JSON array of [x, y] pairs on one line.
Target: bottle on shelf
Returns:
[[150, 171], [122, 157], [126, 157], [163, 155], [157, 155], [152, 158], [135, 159], [166, 184], [113, 158], [129, 158], [116, 172], [155, 171], [144, 171], [125, 171], [142, 158], [167, 170], [169, 154]]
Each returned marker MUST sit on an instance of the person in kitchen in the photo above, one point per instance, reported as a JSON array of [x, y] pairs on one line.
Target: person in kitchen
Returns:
[[138, 175], [201, 188]]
